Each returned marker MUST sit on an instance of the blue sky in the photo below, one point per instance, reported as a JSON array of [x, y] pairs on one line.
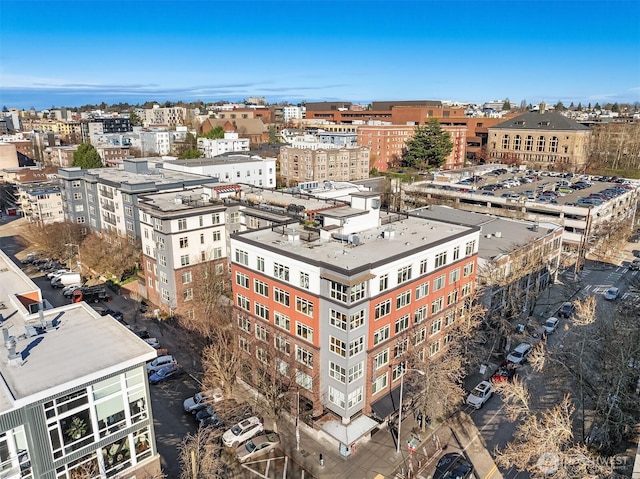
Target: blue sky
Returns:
[[76, 52]]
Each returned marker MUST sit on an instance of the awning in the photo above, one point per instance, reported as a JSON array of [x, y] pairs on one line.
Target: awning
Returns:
[[348, 281], [387, 405]]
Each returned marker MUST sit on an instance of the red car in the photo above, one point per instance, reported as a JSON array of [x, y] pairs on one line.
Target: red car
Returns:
[[505, 372]]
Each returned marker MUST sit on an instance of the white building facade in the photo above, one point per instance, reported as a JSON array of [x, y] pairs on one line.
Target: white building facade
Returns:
[[231, 143]]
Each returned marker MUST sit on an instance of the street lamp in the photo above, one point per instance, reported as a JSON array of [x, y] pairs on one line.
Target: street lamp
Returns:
[[403, 370], [77, 246]]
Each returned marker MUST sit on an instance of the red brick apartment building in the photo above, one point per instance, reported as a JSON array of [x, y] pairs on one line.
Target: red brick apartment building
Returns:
[[339, 308]]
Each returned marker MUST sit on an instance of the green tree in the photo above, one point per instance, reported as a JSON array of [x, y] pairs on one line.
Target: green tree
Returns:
[[87, 157], [559, 106], [215, 133], [596, 106], [579, 106], [572, 106], [615, 108], [273, 137], [191, 153], [135, 119], [428, 148], [506, 106]]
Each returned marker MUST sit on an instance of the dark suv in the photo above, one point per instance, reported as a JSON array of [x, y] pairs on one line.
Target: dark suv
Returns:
[[453, 465], [566, 310]]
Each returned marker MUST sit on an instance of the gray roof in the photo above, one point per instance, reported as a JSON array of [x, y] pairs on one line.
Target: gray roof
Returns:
[[534, 120]]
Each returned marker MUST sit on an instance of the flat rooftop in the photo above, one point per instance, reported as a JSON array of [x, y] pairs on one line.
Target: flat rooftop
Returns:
[[153, 175], [283, 199], [410, 235], [176, 201], [77, 346], [511, 233], [224, 159]]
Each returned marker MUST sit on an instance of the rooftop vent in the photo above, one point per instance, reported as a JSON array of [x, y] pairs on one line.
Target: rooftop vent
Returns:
[[10, 343], [498, 234]]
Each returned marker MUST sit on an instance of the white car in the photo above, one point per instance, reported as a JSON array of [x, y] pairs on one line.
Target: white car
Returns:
[[519, 354], [242, 431], [612, 293], [158, 363], [200, 400], [551, 324], [480, 394], [58, 272]]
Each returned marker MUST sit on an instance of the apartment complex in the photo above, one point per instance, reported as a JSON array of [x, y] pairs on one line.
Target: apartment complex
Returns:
[[339, 306], [231, 143], [61, 156], [387, 143], [334, 164], [172, 116], [542, 140], [105, 198], [41, 203], [75, 399]]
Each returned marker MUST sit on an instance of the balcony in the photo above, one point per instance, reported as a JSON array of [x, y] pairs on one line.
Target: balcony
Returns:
[[107, 206], [106, 193]]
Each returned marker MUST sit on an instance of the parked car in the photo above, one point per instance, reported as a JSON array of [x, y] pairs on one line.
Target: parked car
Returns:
[[566, 310], [167, 372], [551, 324], [242, 431], [57, 272], [153, 342], [480, 394], [258, 446], [200, 400], [160, 362], [505, 372], [117, 315], [453, 465], [205, 413], [519, 354], [612, 293], [635, 265]]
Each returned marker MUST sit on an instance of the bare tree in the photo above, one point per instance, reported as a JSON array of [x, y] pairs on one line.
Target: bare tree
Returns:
[[53, 239], [110, 254], [199, 454]]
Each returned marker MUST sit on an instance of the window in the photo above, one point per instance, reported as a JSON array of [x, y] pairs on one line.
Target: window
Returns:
[[381, 335], [77, 196], [528, 144], [162, 259], [243, 302], [201, 238], [553, 144], [187, 294], [381, 359], [356, 346], [304, 280], [404, 274], [439, 283], [436, 306], [282, 344], [163, 277], [262, 311], [403, 299], [355, 397], [466, 289], [454, 275], [470, 248], [419, 336], [452, 297], [397, 371], [242, 257], [304, 356], [261, 288], [234, 217], [468, 270], [184, 260], [261, 333], [337, 372], [379, 384], [441, 259], [182, 224], [304, 380], [383, 309], [217, 253], [281, 320], [357, 292], [262, 355], [242, 280], [281, 272], [186, 277], [434, 348], [423, 266], [305, 332], [400, 347], [338, 319], [401, 324], [449, 318], [244, 344], [244, 323], [436, 326], [216, 235], [384, 282], [505, 142], [281, 296], [422, 290], [540, 144], [304, 306], [337, 346], [80, 220], [260, 263], [336, 397], [420, 314], [356, 320], [338, 291], [216, 218]]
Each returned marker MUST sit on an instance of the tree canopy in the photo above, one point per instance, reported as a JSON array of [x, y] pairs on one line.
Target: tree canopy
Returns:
[[214, 133], [428, 148], [87, 157], [135, 119], [506, 105], [191, 153]]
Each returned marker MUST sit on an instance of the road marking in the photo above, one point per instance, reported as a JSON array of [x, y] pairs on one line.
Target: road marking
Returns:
[[625, 295], [586, 288], [490, 474]]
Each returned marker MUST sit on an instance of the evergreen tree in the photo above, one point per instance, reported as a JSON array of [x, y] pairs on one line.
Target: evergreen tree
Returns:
[[572, 107], [560, 106], [135, 119], [190, 153], [615, 108], [597, 106], [589, 106], [428, 148], [215, 133], [506, 106], [579, 107], [87, 157]]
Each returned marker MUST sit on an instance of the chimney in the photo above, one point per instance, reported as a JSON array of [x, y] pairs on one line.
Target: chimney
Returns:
[[43, 323], [10, 343]]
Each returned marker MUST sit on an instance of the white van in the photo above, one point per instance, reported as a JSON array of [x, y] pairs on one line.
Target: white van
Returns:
[[160, 362]]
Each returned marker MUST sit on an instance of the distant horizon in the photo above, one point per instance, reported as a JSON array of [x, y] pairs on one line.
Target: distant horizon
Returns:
[[72, 53]]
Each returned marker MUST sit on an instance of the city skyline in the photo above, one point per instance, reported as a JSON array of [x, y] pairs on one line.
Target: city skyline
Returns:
[[71, 53]]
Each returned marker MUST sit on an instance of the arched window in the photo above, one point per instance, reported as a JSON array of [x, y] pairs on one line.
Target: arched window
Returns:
[[505, 142], [553, 144], [540, 144], [517, 143], [528, 144]]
